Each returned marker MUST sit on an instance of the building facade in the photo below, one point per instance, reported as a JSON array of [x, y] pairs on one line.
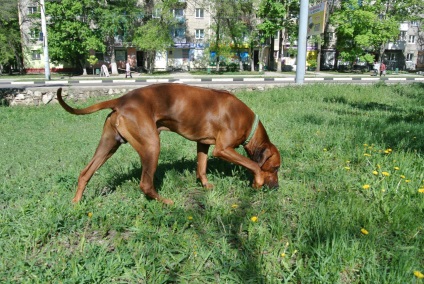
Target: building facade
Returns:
[[190, 42]]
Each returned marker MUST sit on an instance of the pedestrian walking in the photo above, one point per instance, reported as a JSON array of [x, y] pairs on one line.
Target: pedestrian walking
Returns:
[[104, 71], [128, 70], [382, 69], [376, 68]]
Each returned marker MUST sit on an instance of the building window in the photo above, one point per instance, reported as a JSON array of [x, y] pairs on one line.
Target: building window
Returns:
[[100, 56], [179, 32], [200, 33], [411, 39], [32, 9], [402, 36], [35, 55], [414, 23], [409, 56], [156, 13], [35, 34], [200, 13], [178, 13]]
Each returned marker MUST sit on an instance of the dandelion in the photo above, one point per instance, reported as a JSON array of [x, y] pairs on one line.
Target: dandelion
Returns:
[[365, 145], [283, 254], [90, 214], [365, 232], [388, 151], [421, 190], [375, 173], [234, 206], [367, 155], [386, 174], [402, 176], [347, 168], [418, 274], [325, 149], [190, 217], [254, 219], [407, 180], [366, 186], [396, 168]]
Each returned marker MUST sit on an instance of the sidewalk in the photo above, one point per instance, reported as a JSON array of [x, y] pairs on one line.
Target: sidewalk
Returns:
[[187, 77]]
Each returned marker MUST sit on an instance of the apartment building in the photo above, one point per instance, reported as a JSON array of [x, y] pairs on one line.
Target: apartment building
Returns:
[[190, 37]]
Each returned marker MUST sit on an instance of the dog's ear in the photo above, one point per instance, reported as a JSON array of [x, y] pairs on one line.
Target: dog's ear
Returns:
[[262, 156]]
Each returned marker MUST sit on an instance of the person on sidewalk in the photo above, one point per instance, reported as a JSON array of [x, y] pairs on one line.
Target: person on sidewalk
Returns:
[[376, 68], [382, 69], [128, 70], [104, 71]]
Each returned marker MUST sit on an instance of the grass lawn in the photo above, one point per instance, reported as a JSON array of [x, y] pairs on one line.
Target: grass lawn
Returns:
[[350, 207]]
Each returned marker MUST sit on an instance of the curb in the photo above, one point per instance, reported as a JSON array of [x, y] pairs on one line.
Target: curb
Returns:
[[193, 80]]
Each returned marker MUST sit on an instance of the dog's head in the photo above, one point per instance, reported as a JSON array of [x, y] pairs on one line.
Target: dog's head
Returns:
[[269, 160]]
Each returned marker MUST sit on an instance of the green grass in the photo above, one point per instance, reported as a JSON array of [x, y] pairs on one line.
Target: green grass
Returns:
[[331, 137]]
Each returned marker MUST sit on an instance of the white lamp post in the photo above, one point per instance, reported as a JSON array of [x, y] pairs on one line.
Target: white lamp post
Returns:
[[45, 45]]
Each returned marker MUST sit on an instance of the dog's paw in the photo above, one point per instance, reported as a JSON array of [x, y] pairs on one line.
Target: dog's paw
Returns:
[[166, 201], [208, 186]]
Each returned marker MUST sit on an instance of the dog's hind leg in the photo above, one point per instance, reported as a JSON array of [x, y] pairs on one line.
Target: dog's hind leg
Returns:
[[202, 160], [145, 140], [109, 143]]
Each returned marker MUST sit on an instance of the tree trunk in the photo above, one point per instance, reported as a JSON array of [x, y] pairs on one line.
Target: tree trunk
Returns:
[[271, 59], [280, 50]]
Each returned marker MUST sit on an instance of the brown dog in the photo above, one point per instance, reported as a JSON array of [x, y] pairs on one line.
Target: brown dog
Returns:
[[209, 117]]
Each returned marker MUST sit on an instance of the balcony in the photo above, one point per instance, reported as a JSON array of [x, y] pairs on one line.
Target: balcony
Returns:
[[396, 45], [403, 27]]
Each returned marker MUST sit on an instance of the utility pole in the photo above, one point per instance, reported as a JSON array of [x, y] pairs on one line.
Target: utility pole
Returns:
[[301, 42], [45, 45]]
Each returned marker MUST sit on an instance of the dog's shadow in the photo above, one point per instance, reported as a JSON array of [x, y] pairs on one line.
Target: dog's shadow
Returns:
[[215, 165]]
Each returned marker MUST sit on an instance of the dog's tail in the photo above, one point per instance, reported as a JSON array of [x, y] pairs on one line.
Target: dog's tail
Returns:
[[93, 108]]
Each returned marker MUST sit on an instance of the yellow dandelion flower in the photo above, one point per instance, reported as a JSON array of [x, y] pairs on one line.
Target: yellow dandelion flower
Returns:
[[396, 168], [421, 190], [190, 217], [375, 173], [283, 254], [347, 168], [234, 206], [366, 186], [367, 155], [365, 145], [402, 176], [386, 174], [407, 180], [90, 214], [418, 274], [383, 190], [386, 152], [254, 219], [325, 149], [365, 232]]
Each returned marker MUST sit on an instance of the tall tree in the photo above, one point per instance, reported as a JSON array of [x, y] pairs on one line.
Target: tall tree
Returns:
[[365, 27], [10, 38], [232, 27], [154, 35], [277, 16], [71, 33], [117, 21]]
